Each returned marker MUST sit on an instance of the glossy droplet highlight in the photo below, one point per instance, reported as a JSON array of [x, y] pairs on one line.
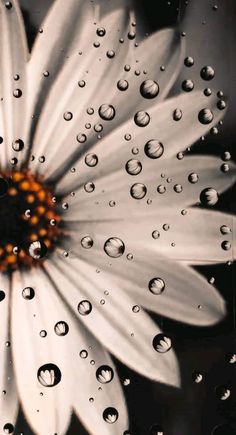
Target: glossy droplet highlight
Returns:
[[49, 375], [114, 247]]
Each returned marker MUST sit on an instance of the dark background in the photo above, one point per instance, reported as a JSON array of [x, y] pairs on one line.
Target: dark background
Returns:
[[195, 410]]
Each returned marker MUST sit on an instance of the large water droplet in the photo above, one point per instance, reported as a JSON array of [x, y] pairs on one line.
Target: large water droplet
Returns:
[[209, 196], [107, 112], [110, 415], [154, 149], [133, 167], [28, 293], [114, 247], [142, 118], [37, 249], [207, 73], [61, 328], [162, 343], [149, 89], [205, 116], [49, 375], [156, 286], [104, 374], [138, 191], [85, 307]]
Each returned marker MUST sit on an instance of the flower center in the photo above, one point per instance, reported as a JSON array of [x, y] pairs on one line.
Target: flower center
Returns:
[[28, 221]]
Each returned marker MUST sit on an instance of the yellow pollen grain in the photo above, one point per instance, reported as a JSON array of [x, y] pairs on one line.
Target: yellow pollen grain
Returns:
[[24, 185], [9, 248], [34, 220], [42, 232], [12, 191], [30, 198]]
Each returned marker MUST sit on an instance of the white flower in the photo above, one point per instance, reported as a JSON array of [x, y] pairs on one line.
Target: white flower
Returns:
[[90, 179]]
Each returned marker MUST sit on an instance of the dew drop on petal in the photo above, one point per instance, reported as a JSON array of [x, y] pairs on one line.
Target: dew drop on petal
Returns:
[[17, 93], [104, 374], [205, 116], [83, 354], [187, 85], [226, 245], [101, 31], [28, 293], [61, 328], [8, 5], [87, 242], [68, 116], [107, 112], [156, 286], [2, 295], [162, 343], [136, 309], [110, 415], [37, 249], [224, 229], [149, 89], [155, 234], [207, 73], [91, 160], [49, 375], [133, 167], [193, 178], [188, 61], [177, 115], [85, 307], [114, 247], [18, 145], [89, 187], [8, 428], [197, 377], [138, 191], [161, 189], [141, 118], [122, 85], [209, 196], [154, 149]]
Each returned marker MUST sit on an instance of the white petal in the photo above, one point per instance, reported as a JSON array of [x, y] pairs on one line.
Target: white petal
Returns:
[[183, 292], [14, 55], [69, 25], [113, 151], [48, 413], [99, 75], [126, 334], [8, 400], [78, 383], [117, 186], [195, 237]]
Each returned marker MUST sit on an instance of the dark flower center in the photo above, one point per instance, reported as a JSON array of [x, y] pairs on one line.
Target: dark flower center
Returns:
[[28, 221]]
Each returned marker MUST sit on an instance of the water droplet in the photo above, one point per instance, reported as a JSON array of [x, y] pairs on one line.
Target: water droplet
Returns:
[[149, 89], [101, 31], [89, 187], [136, 309], [91, 160], [61, 328], [8, 5], [156, 430], [207, 73], [205, 116], [188, 61], [193, 178], [131, 35], [177, 114], [81, 83], [85, 308], [224, 229], [104, 374], [207, 92], [18, 145], [209, 196], [49, 375], [197, 377], [156, 286], [138, 191], [161, 189], [222, 392], [110, 54], [28, 293], [178, 188], [17, 93], [110, 415], [162, 343], [122, 85], [114, 247], [68, 116], [226, 245], [2, 295], [107, 112], [221, 105], [155, 234], [154, 149], [133, 167], [8, 427], [141, 118], [187, 85], [87, 242], [83, 354], [43, 333], [37, 249]]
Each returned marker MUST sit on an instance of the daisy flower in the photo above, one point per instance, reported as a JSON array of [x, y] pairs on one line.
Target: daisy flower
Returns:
[[100, 216]]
